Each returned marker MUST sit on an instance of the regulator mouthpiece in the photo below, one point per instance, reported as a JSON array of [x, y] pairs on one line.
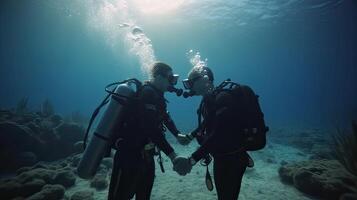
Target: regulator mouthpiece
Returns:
[[175, 90], [188, 94]]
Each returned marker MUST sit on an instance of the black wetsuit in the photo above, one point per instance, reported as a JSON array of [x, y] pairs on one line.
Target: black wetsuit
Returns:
[[134, 168], [221, 129]]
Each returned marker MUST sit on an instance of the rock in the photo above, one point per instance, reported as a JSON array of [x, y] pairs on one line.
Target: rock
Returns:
[[65, 178], [34, 127], [64, 164], [75, 160], [23, 169], [11, 134], [56, 119], [26, 159], [349, 196], [78, 147], [49, 136], [6, 114], [9, 189], [31, 187], [40, 165], [108, 162], [25, 118], [102, 170], [325, 179], [99, 182], [32, 180], [47, 124], [38, 173], [49, 192], [70, 132], [83, 195]]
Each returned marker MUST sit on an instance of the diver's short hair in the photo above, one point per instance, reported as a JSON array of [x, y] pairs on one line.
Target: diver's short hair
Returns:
[[201, 71], [160, 68]]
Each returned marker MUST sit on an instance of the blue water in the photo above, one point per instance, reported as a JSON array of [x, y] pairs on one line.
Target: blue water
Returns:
[[300, 56]]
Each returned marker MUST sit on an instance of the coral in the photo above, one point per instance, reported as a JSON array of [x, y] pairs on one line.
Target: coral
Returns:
[[65, 178], [49, 192], [345, 146], [83, 195], [47, 108], [21, 106], [325, 179]]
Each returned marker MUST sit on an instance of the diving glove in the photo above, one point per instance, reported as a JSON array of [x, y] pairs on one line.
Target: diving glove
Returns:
[[180, 164], [183, 139]]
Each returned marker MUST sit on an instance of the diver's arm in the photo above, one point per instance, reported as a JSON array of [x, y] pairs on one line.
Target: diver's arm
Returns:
[[159, 139], [223, 113], [170, 124], [195, 132]]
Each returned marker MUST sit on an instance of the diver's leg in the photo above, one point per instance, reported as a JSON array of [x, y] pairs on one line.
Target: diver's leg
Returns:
[[146, 179], [116, 172], [241, 167], [123, 181], [228, 174]]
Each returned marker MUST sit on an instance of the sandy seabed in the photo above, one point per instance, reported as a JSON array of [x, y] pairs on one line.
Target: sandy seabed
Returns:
[[260, 182]]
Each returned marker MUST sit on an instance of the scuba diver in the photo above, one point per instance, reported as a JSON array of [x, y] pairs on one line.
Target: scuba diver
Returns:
[[232, 124], [134, 166]]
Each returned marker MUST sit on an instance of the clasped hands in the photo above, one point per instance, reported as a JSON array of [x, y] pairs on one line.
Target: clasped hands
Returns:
[[181, 165]]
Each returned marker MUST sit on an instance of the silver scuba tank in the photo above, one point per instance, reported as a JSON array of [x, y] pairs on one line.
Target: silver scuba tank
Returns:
[[102, 138]]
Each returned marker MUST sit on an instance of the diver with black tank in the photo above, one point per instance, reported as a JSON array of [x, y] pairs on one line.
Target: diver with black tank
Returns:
[[230, 123]]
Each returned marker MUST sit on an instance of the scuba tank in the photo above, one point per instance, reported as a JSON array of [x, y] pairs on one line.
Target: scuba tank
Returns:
[[112, 119]]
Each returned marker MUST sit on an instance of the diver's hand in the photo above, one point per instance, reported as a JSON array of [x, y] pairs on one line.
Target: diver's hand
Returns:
[[182, 165], [183, 139]]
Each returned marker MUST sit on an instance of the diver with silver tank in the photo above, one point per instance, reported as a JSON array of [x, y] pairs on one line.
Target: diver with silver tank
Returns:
[[134, 123]]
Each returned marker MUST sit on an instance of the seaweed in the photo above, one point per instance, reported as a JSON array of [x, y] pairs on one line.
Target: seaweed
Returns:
[[22, 105], [345, 147], [47, 108]]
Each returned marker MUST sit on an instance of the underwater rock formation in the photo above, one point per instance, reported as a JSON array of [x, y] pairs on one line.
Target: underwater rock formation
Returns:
[[99, 182], [83, 195], [349, 196], [65, 178], [43, 137], [346, 148], [324, 178], [69, 134], [48, 192], [30, 182]]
